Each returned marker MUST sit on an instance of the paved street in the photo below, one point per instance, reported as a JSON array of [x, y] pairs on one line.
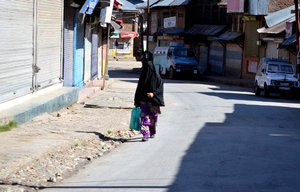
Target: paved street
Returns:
[[210, 138]]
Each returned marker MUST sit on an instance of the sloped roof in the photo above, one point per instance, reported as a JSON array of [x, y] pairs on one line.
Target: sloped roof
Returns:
[[170, 31], [275, 5], [143, 5], [279, 16], [228, 36], [289, 41], [207, 30], [163, 3], [130, 5], [167, 3], [276, 29]]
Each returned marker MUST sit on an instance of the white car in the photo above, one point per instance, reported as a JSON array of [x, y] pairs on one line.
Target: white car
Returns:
[[275, 75]]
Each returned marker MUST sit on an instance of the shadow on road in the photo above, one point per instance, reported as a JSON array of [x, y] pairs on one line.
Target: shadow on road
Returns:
[[244, 154]]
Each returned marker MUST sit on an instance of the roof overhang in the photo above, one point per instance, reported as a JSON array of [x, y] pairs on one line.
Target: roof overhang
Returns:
[[276, 29], [206, 30]]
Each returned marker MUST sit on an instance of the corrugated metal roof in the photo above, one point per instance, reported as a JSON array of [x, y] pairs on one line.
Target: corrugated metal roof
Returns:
[[180, 2], [163, 3], [228, 36], [129, 5], [279, 16], [207, 30], [276, 29], [170, 31], [289, 41], [144, 4]]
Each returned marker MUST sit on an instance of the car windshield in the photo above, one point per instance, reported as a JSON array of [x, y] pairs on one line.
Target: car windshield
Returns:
[[183, 52], [280, 68]]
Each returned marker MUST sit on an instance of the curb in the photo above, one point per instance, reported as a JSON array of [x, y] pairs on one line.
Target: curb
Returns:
[[46, 103]]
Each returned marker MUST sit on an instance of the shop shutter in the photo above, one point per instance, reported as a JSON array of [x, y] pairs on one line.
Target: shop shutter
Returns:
[[203, 58], [78, 51], [100, 53], [234, 57], [216, 58], [95, 40], [68, 46], [87, 52], [49, 41], [16, 48]]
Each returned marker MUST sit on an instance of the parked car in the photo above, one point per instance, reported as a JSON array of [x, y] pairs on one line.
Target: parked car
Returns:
[[275, 75], [174, 60]]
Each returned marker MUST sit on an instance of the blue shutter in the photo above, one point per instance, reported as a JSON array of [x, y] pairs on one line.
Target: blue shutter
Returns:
[[78, 51]]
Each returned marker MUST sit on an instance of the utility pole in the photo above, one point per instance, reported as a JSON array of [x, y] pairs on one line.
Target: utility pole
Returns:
[[297, 38], [148, 23]]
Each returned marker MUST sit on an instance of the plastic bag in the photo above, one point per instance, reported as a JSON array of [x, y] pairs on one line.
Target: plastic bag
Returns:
[[135, 118]]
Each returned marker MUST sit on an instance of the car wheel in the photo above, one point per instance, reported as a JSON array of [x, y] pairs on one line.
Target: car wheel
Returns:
[[256, 89], [266, 91], [172, 73]]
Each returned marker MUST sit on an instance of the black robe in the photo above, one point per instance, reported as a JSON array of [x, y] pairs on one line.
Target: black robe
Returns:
[[149, 82]]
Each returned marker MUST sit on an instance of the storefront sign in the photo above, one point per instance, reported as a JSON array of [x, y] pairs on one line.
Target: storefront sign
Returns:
[[129, 34], [169, 22]]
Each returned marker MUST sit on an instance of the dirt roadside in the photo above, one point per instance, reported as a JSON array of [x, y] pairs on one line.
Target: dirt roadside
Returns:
[[54, 146]]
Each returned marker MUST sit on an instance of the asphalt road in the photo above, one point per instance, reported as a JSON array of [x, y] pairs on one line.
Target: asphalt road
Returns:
[[211, 138]]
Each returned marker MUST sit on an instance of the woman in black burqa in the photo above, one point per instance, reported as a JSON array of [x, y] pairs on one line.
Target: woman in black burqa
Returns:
[[149, 96]]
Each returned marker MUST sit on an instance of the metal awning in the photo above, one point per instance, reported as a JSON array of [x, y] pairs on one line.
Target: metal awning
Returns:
[[170, 31], [168, 3], [228, 36], [206, 30], [289, 41]]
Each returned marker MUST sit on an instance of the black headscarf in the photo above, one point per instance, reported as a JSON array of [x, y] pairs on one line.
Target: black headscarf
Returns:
[[149, 81]]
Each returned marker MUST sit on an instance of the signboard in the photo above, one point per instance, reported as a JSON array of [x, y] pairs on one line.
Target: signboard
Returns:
[[235, 6], [170, 22], [252, 66], [105, 14], [89, 6], [129, 34]]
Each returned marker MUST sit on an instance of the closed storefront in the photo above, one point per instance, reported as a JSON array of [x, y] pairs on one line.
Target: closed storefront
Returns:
[[87, 52], [78, 52], [94, 52], [216, 58], [203, 55], [234, 56], [16, 48], [68, 46], [48, 42]]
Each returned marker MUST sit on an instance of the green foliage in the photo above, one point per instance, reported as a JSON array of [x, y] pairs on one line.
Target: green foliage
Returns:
[[8, 126]]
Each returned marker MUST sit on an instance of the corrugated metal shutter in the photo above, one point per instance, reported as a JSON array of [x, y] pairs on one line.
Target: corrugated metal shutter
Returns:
[[78, 52], [100, 54], [49, 37], [216, 58], [234, 56], [87, 52], [203, 58], [95, 40], [68, 46], [16, 48], [272, 50]]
